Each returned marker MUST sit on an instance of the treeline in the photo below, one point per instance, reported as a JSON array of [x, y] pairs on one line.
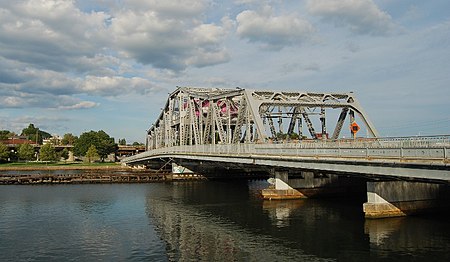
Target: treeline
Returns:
[[92, 145]]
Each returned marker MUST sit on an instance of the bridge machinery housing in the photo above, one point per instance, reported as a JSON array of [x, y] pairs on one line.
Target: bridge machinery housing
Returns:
[[298, 138]]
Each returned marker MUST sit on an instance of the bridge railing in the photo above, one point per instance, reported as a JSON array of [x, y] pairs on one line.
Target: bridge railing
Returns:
[[434, 148]]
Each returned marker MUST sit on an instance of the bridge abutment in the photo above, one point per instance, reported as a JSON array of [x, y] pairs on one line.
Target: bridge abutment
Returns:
[[401, 198]]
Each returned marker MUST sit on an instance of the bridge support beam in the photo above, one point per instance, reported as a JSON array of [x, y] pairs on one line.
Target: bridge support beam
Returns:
[[280, 188], [313, 184], [401, 198]]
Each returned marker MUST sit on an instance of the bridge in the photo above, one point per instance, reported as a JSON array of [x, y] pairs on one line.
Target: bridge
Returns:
[[230, 131]]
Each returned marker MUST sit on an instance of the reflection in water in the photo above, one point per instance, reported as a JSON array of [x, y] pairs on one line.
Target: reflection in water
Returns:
[[281, 211], [420, 236], [380, 230], [193, 234], [226, 221], [203, 221]]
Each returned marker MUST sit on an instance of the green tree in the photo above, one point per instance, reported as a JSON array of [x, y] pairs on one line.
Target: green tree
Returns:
[[34, 134], [281, 136], [5, 134], [122, 142], [92, 154], [294, 135], [69, 139], [4, 153], [48, 153], [64, 154], [104, 144], [137, 144], [26, 152]]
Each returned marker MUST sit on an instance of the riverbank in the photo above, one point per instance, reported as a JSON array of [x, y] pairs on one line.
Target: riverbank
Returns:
[[36, 166], [83, 173]]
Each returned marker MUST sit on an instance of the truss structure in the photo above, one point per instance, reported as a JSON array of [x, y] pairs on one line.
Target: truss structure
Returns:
[[196, 116]]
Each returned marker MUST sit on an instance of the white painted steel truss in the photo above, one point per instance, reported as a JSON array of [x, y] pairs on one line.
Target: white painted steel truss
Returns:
[[198, 116]]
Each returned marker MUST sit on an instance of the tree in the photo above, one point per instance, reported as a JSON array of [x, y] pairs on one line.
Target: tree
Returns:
[[294, 136], [137, 144], [5, 134], [69, 139], [34, 134], [64, 154], [104, 144], [26, 152], [4, 153], [122, 142], [92, 154], [48, 153]]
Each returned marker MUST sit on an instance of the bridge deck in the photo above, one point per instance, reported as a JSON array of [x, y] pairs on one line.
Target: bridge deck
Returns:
[[425, 159]]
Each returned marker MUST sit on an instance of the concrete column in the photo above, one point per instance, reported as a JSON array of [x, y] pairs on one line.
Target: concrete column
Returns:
[[71, 157], [401, 198], [280, 188], [282, 180]]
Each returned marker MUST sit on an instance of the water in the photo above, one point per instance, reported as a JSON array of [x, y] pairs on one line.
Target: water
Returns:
[[203, 221]]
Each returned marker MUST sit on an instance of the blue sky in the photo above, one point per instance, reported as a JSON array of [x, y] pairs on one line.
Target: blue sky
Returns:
[[75, 66]]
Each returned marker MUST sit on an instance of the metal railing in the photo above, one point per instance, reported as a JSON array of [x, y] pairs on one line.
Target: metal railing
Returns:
[[432, 148]]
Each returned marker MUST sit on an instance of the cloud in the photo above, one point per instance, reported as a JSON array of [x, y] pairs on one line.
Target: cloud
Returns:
[[167, 41], [173, 8], [360, 16], [50, 34], [274, 32], [80, 105], [115, 86], [26, 100], [46, 123]]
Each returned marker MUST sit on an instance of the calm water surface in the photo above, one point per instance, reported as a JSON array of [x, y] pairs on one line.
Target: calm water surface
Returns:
[[203, 221]]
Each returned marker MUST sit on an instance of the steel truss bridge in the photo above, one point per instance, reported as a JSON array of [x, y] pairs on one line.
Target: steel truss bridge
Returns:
[[262, 130]]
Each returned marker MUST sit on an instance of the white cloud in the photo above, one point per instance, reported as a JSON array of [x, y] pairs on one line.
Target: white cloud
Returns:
[[116, 85], [10, 102], [274, 31], [19, 99], [360, 16], [46, 123], [172, 8], [167, 42], [49, 34], [80, 105], [243, 2]]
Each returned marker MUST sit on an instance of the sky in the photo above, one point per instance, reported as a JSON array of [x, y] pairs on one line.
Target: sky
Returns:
[[75, 66]]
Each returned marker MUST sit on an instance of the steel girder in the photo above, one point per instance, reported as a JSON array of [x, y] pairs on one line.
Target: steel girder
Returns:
[[194, 116]]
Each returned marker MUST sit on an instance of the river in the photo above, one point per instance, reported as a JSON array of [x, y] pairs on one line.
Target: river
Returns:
[[203, 221]]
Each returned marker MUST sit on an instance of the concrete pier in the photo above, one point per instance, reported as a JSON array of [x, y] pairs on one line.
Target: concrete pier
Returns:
[[309, 184], [280, 188], [313, 184], [401, 198]]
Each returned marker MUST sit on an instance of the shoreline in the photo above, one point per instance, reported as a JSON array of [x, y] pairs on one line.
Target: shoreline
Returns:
[[62, 167]]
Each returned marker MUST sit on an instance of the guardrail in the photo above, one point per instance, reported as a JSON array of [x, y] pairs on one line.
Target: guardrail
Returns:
[[434, 148]]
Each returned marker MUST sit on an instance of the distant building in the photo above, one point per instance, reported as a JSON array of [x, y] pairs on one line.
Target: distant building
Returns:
[[125, 151], [54, 140], [17, 140]]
